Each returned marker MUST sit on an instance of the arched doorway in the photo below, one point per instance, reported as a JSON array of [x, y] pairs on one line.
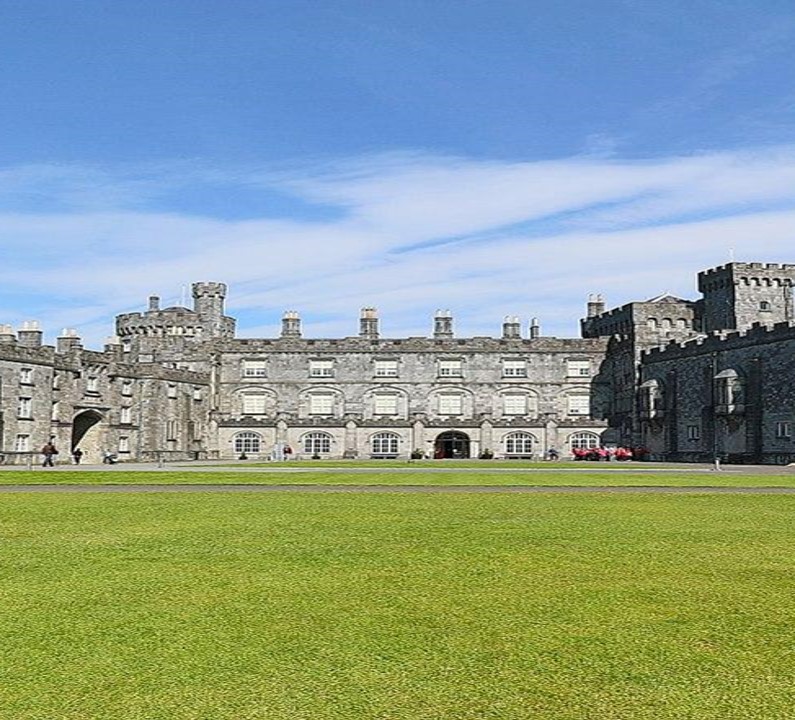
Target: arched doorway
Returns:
[[452, 444], [87, 436]]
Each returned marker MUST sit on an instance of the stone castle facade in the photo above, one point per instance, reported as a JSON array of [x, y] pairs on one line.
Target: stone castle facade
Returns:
[[688, 380]]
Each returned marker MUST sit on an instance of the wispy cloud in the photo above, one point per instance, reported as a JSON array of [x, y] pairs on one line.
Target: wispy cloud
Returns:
[[409, 233]]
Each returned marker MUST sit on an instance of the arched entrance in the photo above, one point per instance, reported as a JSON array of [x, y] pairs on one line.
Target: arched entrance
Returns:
[[452, 444], [87, 436]]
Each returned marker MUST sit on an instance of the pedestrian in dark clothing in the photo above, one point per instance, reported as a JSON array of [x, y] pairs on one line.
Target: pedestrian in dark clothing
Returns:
[[77, 454], [49, 451]]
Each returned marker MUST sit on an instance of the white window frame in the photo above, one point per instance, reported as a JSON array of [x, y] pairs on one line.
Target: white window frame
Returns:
[[317, 443], [22, 443], [578, 368], [197, 393], [520, 443], [254, 403], [171, 391], [385, 368], [125, 415], [321, 368], [127, 387], [26, 376], [247, 442], [385, 404], [514, 368], [385, 443], [515, 404], [451, 368], [25, 408], [124, 444], [451, 404], [578, 404], [584, 441], [92, 384], [321, 404], [254, 368]]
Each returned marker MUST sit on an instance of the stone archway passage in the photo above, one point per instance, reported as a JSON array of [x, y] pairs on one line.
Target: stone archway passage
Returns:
[[85, 435], [452, 444]]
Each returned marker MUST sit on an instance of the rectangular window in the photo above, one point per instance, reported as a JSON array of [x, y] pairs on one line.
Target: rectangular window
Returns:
[[386, 368], [127, 387], [124, 444], [386, 404], [125, 416], [579, 405], [26, 376], [56, 381], [578, 368], [22, 443], [253, 404], [254, 368], [321, 404], [25, 408], [784, 430], [450, 368], [126, 346], [197, 393], [55, 408], [321, 368], [514, 368], [172, 390], [693, 432], [171, 430], [515, 404], [92, 383], [451, 404]]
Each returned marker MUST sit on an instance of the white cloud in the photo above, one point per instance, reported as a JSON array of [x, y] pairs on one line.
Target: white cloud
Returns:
[[413, 233]]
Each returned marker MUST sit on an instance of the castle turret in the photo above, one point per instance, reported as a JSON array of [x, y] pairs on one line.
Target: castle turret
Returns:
[[443, 324], [737, 295], [291, 324], [511, 328], [368, 324], [596, 305], [208, 299]]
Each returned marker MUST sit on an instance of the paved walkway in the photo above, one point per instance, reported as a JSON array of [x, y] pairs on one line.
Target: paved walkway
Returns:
[[380, 489], [308, 467]]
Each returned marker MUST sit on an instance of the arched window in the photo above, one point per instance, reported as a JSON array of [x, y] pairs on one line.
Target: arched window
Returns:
[[652, 323], [519, 443], [385, 443], [584, 441], [682, 323], [248, 442], [729, 388], [316, 443], [666, 323]]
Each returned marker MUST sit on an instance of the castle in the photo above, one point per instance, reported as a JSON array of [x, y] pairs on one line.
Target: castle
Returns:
[[687, 380]]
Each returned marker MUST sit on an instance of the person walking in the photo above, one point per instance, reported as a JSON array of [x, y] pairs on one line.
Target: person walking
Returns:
[[49, 451], [77, 455]]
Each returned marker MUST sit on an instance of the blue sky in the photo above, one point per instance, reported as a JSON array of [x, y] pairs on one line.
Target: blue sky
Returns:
[[491, 157]]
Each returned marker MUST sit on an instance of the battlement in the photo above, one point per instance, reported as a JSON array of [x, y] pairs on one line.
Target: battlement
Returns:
[[209, 289], [746, 273], [719, 340]]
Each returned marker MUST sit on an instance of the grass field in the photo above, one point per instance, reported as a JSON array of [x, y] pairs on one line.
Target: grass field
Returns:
[[445, 607], [552, 477]]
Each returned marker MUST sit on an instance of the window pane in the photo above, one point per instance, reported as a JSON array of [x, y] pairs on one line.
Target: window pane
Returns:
[[578, 368], [450, 404], [515, 404], [450, 368], [386, 404], [386, 368], [253, 368], [579, 405], [321, 368], [321, 404], [514, 368], [254, 404]]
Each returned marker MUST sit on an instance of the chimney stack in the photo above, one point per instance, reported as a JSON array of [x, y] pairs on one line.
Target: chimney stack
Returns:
[[291, 324], [443, 325], [535, 329], [154, 303], [368, 324], [511, 328], [30, 334], [67, 341], [596, 305]]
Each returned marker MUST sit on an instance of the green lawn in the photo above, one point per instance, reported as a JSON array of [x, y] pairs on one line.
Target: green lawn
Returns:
[[397, 607], [419, 477]]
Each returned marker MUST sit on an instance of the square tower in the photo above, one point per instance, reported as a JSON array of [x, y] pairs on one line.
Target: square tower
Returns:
[[737, 295]]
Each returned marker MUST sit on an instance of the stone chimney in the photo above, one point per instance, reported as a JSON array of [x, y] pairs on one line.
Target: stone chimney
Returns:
[[7, 336], [154, 303], [30, 334], [67, 341], [535, 329], [511, 328], [596, 305], [368, 324], [291, 324], [443, 325]]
